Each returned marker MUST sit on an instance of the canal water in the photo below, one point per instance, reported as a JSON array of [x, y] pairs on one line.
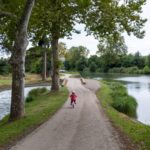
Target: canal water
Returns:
[[5, 99], [137, 86]]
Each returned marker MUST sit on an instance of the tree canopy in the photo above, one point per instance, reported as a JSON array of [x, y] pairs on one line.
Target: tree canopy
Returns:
[[51, 20]]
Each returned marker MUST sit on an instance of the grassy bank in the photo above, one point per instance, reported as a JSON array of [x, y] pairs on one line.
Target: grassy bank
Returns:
[[139, 133], [37, 111], [5, 81]]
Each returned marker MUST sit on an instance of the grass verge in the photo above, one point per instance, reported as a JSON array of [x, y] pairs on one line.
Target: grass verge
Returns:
[[37, 112], [5, 81], [138, 132]]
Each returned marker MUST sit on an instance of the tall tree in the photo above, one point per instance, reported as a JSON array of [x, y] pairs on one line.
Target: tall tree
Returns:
[[110, 51], [18, 62], [62, 49], [139, 60], [75, 53], [43, 43], [56, 22], [102, 18], [148, 61], [81, 64]]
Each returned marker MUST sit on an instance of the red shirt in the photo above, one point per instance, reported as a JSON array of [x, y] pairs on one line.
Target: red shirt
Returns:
[[73, 96]]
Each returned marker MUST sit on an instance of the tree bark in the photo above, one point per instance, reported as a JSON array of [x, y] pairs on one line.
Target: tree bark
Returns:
[[44, 70], [18, 64], [54, 64]]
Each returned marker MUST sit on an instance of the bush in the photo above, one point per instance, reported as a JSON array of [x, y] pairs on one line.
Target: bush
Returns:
[[34, 93], [93, 67], [29, 99], [121, 101], [4, 66], [125, 105], [146, 70]]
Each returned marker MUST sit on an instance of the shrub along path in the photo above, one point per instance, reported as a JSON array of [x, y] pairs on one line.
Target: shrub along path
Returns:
[[83, 128]]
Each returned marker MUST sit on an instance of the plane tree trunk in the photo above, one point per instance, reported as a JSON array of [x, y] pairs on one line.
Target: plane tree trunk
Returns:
[[18, 63], [44, 69], [54, 63]]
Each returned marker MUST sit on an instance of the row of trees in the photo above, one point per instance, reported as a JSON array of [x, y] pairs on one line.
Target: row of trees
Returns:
[[55, 19], [5, 67], [76, 59], [104, 61]]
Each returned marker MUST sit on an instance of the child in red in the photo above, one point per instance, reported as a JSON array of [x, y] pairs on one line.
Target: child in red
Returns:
[[73, 97]]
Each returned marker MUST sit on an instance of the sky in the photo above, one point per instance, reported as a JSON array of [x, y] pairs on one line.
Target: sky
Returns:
[[134, 44]]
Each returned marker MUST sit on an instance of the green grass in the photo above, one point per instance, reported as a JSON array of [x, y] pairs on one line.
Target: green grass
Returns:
[[5, 81], [121, 101], [138, 133], [37, 112]]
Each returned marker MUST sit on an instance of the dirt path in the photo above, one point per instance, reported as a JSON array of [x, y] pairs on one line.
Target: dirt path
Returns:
[[82, 128]]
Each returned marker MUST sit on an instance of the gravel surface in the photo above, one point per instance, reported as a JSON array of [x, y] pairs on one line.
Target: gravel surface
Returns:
[[83, 128]]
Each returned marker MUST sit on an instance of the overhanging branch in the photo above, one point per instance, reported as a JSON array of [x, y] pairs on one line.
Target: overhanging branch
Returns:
[[6, 14]]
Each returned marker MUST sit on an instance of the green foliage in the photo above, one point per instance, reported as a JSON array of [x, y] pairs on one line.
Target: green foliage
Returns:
[[126, 105], [130, 70], [37, 112], [146, 70], [121, 101], [81, 64], [74, 57], [137, 132], [34, 59], [62, 49], [107, 62], [85, 72], [57, 63], [138, 60], [148, 60], [111, 51], [33, 94], [57, 19], [67, 65], [4, 66], [93, 67], [29, 99], [8, 23], [113, 17]]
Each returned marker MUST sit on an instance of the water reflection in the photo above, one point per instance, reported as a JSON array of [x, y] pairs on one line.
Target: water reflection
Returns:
[[139, 88], [5, 100]]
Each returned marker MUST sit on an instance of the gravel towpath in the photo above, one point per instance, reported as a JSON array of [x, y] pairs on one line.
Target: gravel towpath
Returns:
[[83, 128]]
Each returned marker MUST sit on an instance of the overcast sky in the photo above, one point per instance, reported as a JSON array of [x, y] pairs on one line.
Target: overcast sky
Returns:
[[134, 44]]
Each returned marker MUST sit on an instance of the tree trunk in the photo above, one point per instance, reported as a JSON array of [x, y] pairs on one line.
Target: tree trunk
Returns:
[[44, 69], [54, 64], [18, 63], [55, 34]]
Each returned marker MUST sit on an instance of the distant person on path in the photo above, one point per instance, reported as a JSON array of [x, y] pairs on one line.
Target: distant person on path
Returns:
[[73, 98]]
